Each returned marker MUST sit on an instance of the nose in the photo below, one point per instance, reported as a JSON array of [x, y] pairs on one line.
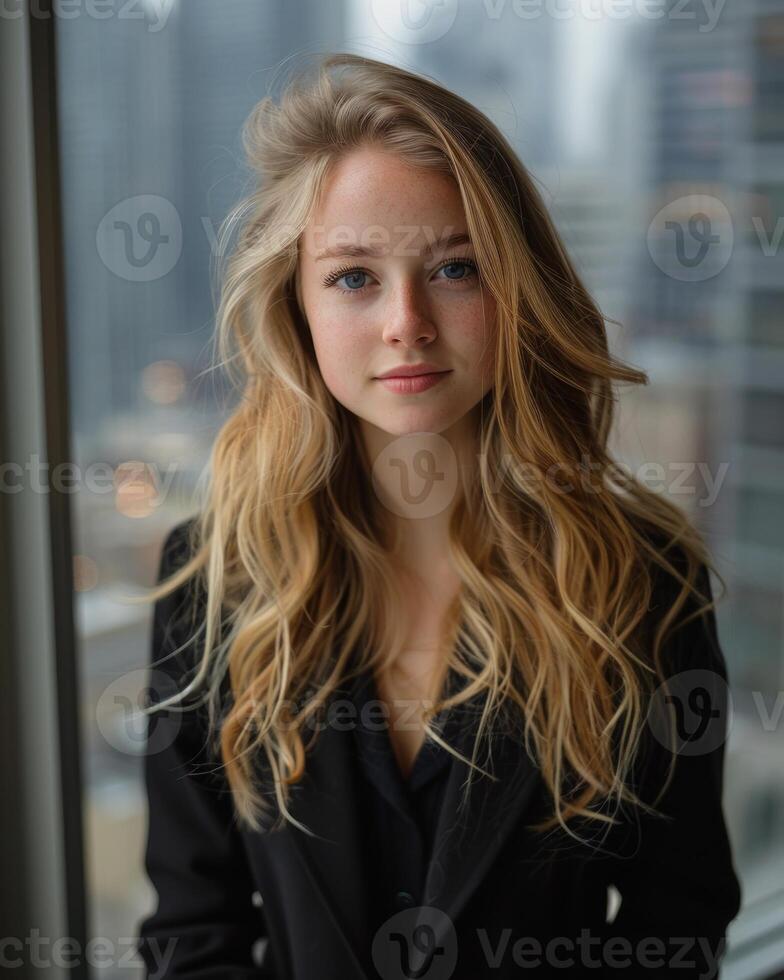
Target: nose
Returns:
[[407, 319]]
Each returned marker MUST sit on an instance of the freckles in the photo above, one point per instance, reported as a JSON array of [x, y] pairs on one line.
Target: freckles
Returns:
[[475, 320], [476, 328]]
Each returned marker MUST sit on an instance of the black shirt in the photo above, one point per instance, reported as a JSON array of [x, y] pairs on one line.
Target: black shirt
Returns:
[[399, 815]]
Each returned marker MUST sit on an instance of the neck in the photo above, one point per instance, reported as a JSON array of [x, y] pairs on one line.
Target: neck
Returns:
[[419, 479]]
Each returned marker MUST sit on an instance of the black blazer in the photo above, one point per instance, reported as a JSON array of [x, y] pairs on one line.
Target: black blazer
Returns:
[[493, 889]]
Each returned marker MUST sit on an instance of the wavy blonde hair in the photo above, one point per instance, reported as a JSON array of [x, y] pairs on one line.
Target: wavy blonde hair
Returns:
[[291, 546]]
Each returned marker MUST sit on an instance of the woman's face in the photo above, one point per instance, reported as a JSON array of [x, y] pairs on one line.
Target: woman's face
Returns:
[[382, 288]]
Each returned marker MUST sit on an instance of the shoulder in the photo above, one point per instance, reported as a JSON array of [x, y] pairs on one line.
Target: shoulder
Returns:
[[178, 546], [177, 615], [666, 587], [691, 639]]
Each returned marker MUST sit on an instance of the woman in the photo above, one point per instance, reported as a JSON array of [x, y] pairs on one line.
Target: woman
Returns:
[[418, 644]]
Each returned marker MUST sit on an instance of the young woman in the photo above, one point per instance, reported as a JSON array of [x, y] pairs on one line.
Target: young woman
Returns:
[[438, 686]]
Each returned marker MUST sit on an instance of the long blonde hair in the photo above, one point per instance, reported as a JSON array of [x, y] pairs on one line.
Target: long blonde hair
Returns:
[[290, 544]]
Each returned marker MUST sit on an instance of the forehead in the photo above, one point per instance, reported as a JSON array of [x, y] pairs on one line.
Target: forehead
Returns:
[[376, 201]]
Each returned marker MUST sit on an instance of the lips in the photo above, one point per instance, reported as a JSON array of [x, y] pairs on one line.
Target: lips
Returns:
[[412, 371], [413, 384]]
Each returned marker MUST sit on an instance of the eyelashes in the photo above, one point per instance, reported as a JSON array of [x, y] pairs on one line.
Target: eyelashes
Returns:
[[334, 277]]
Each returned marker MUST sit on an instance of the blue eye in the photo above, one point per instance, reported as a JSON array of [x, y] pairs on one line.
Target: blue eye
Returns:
[[452, 265], [349, 276], [352, 273]]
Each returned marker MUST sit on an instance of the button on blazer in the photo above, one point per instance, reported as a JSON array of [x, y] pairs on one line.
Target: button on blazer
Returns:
[[498, 899]]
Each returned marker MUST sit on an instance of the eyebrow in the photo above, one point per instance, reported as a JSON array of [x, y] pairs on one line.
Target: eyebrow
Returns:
[[376, 251]]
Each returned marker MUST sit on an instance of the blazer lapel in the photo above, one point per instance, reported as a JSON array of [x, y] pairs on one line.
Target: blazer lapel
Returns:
[[469, 837], [324, 801]]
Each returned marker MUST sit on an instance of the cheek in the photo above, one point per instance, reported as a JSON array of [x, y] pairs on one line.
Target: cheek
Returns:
[[478, 328], [479, 342], [342, 358]]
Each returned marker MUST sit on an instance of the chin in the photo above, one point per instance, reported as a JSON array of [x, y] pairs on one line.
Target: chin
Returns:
[[409, 423]]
